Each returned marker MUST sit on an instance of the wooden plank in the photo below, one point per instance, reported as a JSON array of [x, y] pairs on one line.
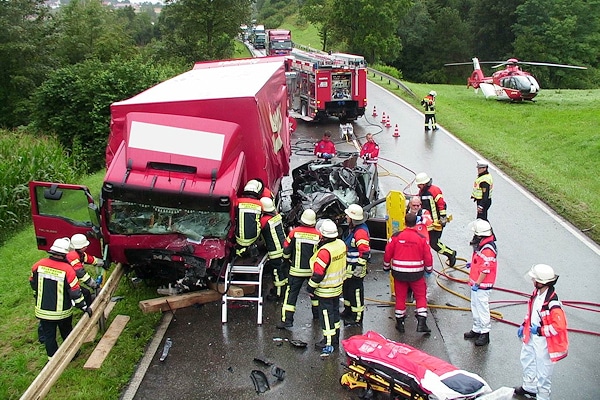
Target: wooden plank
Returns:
[[107, 342], [94, 331], [234, 290], [168, 303]]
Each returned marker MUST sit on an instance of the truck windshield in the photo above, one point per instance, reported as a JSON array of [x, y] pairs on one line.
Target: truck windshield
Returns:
[[131, 218], [281, 45]]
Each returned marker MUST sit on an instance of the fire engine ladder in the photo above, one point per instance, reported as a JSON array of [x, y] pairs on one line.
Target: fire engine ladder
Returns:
[[244, 271]]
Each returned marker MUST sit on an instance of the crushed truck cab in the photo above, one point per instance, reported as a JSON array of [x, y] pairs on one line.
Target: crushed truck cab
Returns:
[[177, 157]]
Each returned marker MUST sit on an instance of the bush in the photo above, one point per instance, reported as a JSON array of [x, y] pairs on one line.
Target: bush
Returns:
[[26, 157], [386, 69]]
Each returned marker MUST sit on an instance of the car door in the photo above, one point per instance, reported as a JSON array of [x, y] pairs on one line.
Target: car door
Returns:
[[62, 210]]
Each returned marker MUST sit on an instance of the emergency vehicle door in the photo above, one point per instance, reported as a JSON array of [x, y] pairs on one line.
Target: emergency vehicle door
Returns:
[[62, 210]]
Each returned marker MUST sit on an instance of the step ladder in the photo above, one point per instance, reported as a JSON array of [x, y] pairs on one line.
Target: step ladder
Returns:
[[244, 271]]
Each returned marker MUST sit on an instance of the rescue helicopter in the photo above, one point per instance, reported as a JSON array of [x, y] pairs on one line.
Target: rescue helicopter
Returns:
[[510, 83]]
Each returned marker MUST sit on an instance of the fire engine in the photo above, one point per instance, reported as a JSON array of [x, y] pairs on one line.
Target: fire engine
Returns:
[[321, 85]]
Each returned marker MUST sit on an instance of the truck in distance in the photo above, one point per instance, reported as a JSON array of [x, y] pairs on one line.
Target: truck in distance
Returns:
[[279, 42]]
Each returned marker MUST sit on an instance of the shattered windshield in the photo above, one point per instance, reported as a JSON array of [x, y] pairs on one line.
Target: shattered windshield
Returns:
[[130, 218]]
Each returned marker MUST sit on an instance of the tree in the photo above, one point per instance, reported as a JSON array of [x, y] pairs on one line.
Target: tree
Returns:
[[319, 12]]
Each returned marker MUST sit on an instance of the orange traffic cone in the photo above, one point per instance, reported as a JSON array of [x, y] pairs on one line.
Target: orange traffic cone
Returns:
[[374, 111], [387, 122], [383, 118], [396, 132]]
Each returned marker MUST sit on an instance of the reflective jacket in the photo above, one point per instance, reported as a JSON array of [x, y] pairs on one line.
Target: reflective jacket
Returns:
[[484, 260], [329, 268], [554, 324], [483, 192], [247, 227], [324, 147], [370, 152], [429, 103], [55, 285], [271, 228], [76, 259], [299, 246], [359, 249], [433, 201], [409, 255]]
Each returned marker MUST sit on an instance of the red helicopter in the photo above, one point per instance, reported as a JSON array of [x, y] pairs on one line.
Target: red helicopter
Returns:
[[511, 83]]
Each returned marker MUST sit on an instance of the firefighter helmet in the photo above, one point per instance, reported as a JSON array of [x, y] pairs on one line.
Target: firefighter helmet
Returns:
[[422, 178], [481, 163], [267, 204], [481, 227], [309, 217], [542, 273], [355, 212], [328, 229], [61, 246], [433, 93], [252, 187], [79, 241]]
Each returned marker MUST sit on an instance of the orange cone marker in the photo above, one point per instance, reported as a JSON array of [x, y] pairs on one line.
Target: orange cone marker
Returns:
[[396, 132], [374, 111]]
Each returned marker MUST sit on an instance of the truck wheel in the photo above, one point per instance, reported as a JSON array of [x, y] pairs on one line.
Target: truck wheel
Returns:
[[304, 109]]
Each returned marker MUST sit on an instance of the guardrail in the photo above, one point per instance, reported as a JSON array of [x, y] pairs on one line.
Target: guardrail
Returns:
[[393, 80]]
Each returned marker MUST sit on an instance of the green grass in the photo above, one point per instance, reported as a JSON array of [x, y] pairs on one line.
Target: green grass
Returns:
[[551, 146], [307, 35]]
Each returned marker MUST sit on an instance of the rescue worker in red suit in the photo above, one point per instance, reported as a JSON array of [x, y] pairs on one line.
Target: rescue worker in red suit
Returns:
[[370, 150], [544, 335], [433, 201], [77, 257], [271, 230], [358, 253], [408, 255], [325, 285], [482, 276], [56, 289], [247, 224], [428, 103], [325, 148], [298, 247], [482, 190]]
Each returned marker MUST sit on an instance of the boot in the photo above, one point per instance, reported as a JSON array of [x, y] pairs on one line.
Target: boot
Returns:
[[470, 335], [422, 324], [400, 324], [452, 258], [482, 339], [284, 324]]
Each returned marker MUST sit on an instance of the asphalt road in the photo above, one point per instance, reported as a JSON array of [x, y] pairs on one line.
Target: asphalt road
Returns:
[[209, 360]]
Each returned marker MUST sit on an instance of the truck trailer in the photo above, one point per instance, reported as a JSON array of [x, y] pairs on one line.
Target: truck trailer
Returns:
[[322, 85], [178, 156]]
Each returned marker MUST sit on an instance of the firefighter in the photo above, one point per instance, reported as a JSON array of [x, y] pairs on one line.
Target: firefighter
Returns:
[[544, 335], [408, 255], [482, 190], [299, 246], [370, 150], [325, 285], [428, 103], [358, 253], [433, 201], [271, 230], [482, 276], [77, 257], [248, 212], [263, 191], [325, 148], [56, 289]]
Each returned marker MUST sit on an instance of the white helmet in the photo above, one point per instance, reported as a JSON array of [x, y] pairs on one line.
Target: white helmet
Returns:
[[253, 186], [267, 204], [355, 212], [542, 273], [422, 178], [433, 93], [481, 163], [61, 246], [79, 241], [328, 229], [309, 217], [481, 227]]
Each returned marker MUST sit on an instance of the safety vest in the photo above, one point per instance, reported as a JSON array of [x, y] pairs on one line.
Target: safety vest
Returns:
[[247, 227], [429, 103], [355, 239], [272, 233], [433, 201], [477, 192], [55, 284], [335, 270], [299, 247], [484, 260]]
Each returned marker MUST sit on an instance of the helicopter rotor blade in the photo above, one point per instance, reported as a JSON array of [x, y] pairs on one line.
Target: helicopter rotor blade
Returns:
[[551, 65], [471, 63]]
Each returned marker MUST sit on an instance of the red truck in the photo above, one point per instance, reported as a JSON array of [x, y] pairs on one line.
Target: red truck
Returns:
[[279, 42], [322, 85], [178, 155]]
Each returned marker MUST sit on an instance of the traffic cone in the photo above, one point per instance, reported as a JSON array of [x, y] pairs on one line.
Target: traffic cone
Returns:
[[396, 132], [387, 122], [374, 111], [383, 119]]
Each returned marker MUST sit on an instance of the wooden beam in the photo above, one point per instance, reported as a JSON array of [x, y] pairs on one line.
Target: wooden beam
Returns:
[[107, 342], [94, 331]]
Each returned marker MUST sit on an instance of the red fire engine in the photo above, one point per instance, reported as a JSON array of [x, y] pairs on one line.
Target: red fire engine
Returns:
[[321, 85]]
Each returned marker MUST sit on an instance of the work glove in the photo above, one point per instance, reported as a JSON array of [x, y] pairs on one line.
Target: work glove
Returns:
[[358, 270], [468, 265], [520, 332], [319, 155], [475, 287], [87, 310], [99, 262], [92, 283], [443, 220], [427, 274], [386, 267], [535, 330]]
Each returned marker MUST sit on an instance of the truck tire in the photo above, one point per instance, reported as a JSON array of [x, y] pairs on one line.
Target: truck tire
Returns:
[[304, 109]]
